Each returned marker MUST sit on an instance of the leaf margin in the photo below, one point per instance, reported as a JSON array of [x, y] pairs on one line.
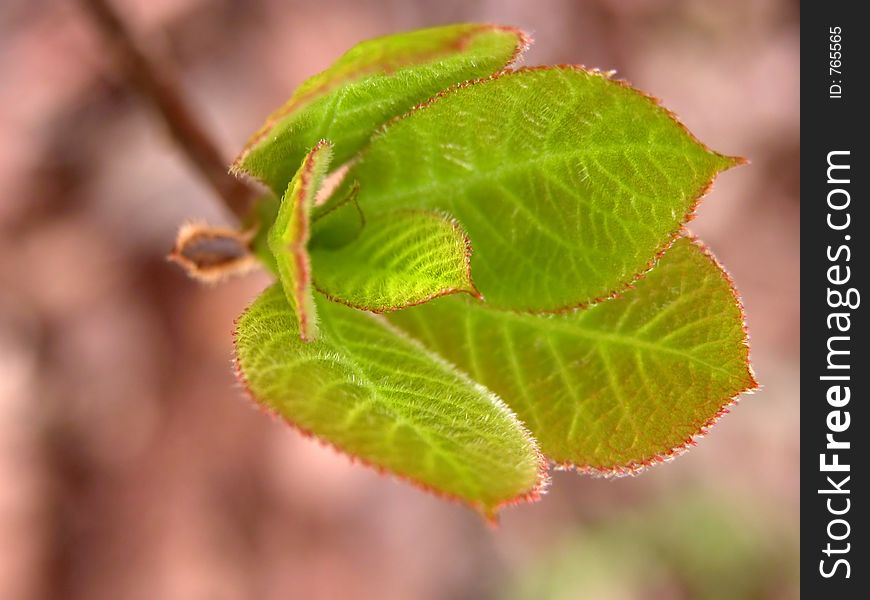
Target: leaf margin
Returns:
[[302, 196], [637, 467], [471, 290], [537, 400], [490, 515], [673, 236], [523, 41]]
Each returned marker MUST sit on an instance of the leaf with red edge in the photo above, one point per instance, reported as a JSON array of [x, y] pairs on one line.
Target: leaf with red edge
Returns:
[[401, 258], [372, 392], [374, 81], [615, 387], [572, 189], [567, 182], [289, 235]]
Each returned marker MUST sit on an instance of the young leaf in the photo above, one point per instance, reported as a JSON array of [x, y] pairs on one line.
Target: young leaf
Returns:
[[371, 83], [401, 258], [368, 390], [289, 235], [568, 183], [617, 386]]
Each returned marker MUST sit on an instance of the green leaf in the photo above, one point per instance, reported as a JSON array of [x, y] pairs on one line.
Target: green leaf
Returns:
[[260, 221], [289, 235], [568, 183], [401, 258], [370, 391], [374, 81], [341, 224], [617, 386]]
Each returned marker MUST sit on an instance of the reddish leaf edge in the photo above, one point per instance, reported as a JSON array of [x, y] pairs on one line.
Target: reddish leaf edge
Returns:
[[634, 468], [524, 41], [471, 290], [490, 515], [299, 246], [690, 214]]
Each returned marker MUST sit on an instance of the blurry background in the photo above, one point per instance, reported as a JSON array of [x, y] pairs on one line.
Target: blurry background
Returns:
[[131, 466]]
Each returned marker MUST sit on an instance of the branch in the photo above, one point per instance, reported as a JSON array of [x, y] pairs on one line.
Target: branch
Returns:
[[153, 81]]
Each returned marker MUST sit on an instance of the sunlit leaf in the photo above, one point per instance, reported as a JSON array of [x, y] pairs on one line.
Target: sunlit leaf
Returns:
[[567, 183], [374, 81], [368, 390], [401, 258], [617, 386], [289, 235], [553, 197]]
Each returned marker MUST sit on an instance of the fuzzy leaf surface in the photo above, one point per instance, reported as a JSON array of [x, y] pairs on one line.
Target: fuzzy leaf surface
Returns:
[[260, 220], [568, 183], [401, 258], [289, 235], [617, 386], [374, 81], [340, 225], [367, 389]]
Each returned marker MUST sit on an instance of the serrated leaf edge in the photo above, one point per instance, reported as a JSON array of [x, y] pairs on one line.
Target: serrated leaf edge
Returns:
[[690, 214], [470, 290], [524, 40], [298, 248], [636, 467], [489, 514]]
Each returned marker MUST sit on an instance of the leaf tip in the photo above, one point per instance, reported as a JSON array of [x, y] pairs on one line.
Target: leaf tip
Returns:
[[524, 41], [726, 162], [532, 495]]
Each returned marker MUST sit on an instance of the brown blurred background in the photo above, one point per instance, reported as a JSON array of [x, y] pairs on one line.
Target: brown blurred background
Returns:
[[131, 466]]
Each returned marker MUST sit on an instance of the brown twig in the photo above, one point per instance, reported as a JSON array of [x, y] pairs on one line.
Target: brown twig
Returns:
[[152, 79]]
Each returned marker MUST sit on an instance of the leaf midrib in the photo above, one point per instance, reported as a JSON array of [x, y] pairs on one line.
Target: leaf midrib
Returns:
[[576, 329], [498, 174], [434, 443]]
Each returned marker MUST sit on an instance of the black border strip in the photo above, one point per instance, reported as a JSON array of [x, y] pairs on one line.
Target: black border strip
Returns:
[[834, 349]]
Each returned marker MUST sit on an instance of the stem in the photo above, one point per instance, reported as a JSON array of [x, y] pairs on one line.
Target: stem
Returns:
[[152, 80]]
